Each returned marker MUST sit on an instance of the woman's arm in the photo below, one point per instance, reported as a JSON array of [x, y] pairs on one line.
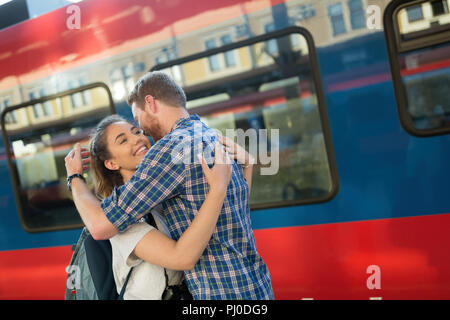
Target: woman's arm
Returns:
[[244, 158], [156, 248], [86, 203]]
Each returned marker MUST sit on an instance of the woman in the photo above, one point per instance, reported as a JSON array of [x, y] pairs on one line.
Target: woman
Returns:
[[116, 150]]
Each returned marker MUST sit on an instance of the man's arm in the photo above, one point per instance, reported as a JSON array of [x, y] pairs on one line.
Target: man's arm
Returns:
[[87, 204]]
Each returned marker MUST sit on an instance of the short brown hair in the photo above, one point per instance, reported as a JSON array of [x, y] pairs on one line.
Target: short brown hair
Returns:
[[161, 87]]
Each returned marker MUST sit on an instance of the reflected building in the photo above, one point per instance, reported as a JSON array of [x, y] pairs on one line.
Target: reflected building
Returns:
[[424, 16], [328, 21]]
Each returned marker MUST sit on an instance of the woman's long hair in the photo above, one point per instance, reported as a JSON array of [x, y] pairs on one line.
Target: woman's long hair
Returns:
[[104, 179]]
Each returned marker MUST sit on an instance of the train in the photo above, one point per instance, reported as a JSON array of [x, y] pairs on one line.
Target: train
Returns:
[[349, 197]]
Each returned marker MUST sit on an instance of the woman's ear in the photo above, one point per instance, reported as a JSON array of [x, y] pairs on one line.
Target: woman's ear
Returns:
[[111, 165]]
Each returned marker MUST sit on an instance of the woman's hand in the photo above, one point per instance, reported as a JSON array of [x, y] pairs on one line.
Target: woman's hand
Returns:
[[219, 175], [236, 152], [77, 161]]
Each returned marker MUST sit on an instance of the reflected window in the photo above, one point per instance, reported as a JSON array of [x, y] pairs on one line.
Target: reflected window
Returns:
[[230, 60], [11, 117], [220, 61], [118, 85], [127, 72], [357, 16], [167, 54], [415, 13], [305, 11], [439, 7], [37, 167], [337, 19], [40, 110], [427, 84], [271, 104], [76, 99], [271, 45], [122, 81], [214, 64], [421, 19]]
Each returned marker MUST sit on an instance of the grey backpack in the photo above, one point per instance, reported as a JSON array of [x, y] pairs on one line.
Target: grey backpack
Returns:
[[79, 285], [90, 273]]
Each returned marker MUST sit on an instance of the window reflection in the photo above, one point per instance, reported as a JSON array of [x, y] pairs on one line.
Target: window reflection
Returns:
[[272, 88], [425, 72], [424, 18], [427, 83]]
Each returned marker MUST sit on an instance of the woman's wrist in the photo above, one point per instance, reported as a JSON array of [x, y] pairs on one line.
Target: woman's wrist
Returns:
[[218, 190], [249, 161]]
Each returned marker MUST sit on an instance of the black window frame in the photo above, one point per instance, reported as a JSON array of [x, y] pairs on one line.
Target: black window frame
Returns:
[[316, 77], [14, 178], [395, 46]]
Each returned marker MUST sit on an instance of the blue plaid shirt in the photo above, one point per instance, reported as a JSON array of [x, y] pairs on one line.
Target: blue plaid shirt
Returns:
[[170, 174]]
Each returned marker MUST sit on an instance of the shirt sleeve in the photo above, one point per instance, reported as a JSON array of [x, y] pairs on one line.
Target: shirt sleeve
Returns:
[[126, 242], [160, 176]]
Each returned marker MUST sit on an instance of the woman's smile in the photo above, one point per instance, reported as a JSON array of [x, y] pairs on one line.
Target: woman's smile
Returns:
[[141, 150]]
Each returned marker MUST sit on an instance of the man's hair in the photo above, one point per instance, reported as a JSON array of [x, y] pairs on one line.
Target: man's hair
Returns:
[[161, 87]]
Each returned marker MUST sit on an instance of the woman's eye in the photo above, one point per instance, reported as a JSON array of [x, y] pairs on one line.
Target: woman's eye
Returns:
[[123, 141]]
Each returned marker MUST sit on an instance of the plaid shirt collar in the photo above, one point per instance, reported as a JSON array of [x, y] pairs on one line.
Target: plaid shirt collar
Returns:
[[182, 122]]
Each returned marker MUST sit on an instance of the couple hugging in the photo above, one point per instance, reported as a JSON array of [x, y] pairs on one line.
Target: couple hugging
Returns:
[[202, 212]]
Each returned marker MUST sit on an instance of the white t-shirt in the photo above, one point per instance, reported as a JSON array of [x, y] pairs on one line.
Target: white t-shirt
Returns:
[[147, 281]]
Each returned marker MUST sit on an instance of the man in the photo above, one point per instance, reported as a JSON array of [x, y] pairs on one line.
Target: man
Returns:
[[230, 267]]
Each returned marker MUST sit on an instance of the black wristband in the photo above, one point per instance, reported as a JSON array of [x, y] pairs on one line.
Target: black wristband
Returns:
[[69, 180]]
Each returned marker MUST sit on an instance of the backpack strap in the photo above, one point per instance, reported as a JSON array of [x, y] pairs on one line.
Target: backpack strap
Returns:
[[99, 260], [151, 221], [122, 291]]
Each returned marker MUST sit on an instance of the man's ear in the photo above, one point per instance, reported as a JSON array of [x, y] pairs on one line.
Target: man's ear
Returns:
[[150, 104], [111, 165]]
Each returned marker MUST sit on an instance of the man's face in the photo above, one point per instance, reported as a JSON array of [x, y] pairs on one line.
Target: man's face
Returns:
[[147, 122]]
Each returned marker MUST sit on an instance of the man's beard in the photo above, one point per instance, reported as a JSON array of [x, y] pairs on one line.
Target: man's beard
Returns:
[[154, 130]]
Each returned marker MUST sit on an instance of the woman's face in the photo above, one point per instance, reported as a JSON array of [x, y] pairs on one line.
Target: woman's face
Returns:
[[127, 145]]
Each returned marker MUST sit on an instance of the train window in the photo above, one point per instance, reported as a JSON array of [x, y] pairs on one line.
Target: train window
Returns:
[[274, 95], [36, 152], [418, 36]]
